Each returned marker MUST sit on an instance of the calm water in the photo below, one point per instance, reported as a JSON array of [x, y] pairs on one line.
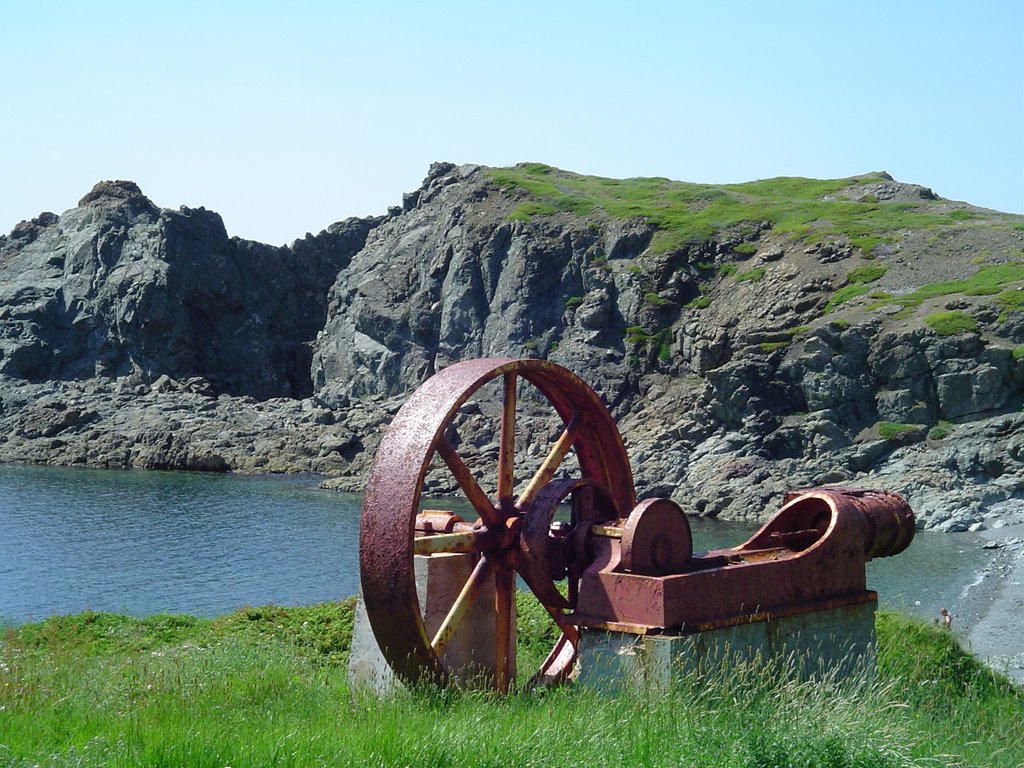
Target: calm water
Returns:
[[150, 542]]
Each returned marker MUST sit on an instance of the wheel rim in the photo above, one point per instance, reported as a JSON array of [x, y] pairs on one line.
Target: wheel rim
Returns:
[[394, 490]]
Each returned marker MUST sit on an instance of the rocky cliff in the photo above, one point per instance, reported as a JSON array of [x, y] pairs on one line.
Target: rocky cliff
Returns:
[[749, 338]]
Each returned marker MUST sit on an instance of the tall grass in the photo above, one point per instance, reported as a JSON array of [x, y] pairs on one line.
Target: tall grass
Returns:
[[256, 689]]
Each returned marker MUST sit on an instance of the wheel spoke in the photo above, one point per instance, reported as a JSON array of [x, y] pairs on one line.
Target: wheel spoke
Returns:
[[474, 493], [504, 592], [506, 455], [551, 462], [462, 603], [467, 541]]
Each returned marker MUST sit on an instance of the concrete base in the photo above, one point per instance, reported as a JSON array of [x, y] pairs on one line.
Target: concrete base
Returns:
[[837, 643], [470, 654]]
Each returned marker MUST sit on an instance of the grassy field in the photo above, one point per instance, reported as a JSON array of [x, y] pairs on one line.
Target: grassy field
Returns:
[[267, 687]]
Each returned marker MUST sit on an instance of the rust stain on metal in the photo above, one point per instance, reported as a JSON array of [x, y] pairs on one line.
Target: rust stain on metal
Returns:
[[627, 567], [388, 525], [811, 551]]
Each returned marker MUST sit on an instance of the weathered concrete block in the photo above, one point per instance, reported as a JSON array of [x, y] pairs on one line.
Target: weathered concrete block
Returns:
[[469, 656], [838, 642]]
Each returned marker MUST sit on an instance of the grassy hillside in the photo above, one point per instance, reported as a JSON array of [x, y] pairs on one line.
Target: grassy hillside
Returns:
[[267, 687], [809, 209]]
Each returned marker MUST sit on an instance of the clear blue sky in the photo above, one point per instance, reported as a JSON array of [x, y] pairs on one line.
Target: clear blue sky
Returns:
[[286, 117]]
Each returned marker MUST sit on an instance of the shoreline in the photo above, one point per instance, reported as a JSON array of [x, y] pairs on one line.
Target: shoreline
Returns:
[[992, 613]]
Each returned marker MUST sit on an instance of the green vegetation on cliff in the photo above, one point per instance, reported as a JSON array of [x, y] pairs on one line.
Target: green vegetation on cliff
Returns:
[[266, 686], [987, 281], [685, 213], [951, 323]]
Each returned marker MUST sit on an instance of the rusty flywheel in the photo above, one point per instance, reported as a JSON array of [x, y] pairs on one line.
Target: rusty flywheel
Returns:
[[513, 533]]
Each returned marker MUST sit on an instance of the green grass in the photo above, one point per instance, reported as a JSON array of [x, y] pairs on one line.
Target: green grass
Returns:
[[951, 323], [654, 299], [751, 276], [1010, 300], [845, 294], [266, 687], [940, 431], [745, 249], [890, 430], [857, 281], [987, 281], [635, 334], [685, 213], [866, 274]]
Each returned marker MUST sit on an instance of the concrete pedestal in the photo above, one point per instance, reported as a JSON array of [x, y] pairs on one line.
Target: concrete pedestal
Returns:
[[837, 643], [469, 655]]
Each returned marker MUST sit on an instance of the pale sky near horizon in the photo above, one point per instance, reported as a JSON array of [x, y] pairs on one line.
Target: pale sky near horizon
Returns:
[[286, 117]]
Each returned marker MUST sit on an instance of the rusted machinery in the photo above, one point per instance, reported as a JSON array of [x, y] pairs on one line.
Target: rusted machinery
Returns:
[[626, 567]]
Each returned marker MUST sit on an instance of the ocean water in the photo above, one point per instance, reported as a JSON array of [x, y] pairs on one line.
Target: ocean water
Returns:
[[143, 542]]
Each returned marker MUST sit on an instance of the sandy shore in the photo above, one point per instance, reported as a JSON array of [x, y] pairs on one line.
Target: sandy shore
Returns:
[[990, 620]]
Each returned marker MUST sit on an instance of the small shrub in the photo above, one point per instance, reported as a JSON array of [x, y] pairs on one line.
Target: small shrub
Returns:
[[771, 346], [701, 302], [951, 323], [1018, 352], [939, 431], [745, 249], [655, 299], [635, 334], [727, 269], [752, 276], [573, 301]]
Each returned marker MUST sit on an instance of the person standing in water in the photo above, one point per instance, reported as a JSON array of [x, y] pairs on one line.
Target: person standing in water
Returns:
[[947, 618]]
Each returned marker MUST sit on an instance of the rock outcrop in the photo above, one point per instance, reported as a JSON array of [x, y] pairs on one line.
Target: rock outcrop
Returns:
[[742, 357], [119, 288]]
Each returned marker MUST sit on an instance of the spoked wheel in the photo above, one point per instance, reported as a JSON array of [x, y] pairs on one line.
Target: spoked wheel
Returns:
[[512, 534]]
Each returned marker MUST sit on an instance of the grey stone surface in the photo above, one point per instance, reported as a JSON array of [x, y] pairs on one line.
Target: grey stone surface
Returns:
[[469, 656], [838, 643]]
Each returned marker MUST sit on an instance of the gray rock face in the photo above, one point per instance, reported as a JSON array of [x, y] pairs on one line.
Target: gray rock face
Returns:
[[137, 336], [118, 287], [451, 279]]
